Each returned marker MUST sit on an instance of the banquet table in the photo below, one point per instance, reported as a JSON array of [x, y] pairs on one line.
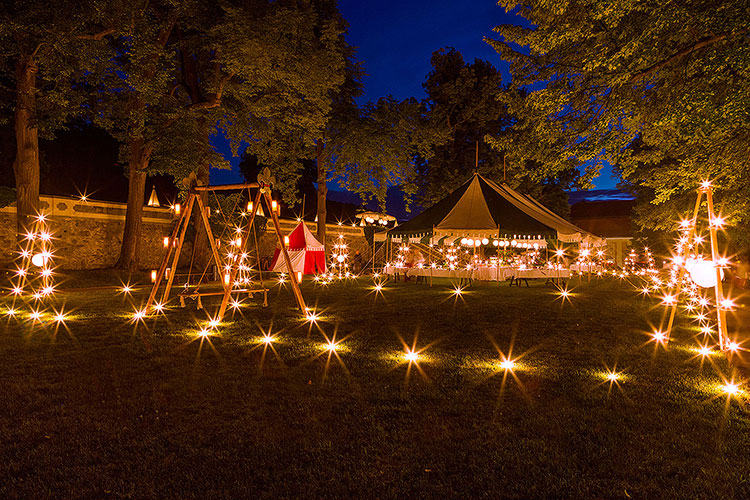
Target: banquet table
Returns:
[[488, 273], [586, 268]]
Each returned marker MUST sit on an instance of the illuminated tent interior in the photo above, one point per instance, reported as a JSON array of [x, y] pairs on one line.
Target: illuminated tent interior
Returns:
[[484, 209]]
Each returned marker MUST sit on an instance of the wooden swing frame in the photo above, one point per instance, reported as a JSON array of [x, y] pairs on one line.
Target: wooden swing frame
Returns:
[[178, 236]]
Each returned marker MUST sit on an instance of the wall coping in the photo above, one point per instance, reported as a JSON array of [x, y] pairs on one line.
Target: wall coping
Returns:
[[69, 206]]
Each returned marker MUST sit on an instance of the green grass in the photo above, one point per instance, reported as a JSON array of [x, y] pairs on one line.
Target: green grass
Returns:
[[105, 408]]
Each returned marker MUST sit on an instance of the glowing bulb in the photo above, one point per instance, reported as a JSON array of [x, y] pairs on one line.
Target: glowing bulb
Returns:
[[213, 323], [35, 315], [311, 317], [705, 351], [332, 347], [733, 346], [60, 317], [139, 315], [730, 388], [411, 356], [153, 275], [457, 291], [378, 287], [507, 364], [17, 290], [267, 339], [10, 312], [159, 307], [659, 336], [204, 332], [727, 304], [613, 376], [126, 289]]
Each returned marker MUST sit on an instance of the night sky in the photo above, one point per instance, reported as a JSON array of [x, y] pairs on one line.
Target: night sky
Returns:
[[395, 40]]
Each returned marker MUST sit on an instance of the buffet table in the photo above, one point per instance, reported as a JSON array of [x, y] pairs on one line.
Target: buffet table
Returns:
[[502, 273]]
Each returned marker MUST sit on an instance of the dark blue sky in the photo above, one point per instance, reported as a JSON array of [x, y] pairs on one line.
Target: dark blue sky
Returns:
[[395, 40]]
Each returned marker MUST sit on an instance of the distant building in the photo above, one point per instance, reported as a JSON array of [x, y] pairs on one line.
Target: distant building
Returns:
[[610, 219]]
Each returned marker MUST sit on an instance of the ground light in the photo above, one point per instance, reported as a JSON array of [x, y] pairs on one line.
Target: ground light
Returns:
[[332, 346], [507, 364], [730, 389], [411, 356]]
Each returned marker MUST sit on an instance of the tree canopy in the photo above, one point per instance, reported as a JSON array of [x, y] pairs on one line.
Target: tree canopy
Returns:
[[657, 89]]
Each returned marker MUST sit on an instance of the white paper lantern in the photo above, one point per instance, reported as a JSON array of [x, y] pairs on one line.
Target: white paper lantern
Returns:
[[39, 260], [485, 241], [703, 273]]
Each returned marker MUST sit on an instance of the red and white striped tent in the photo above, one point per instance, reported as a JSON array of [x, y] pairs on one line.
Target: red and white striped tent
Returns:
[[305, 252]]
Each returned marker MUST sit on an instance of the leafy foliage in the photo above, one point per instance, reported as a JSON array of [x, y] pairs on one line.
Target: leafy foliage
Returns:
[[659, 89], [471, 108]]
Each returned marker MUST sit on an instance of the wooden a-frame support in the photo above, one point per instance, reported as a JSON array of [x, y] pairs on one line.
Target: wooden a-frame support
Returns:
[[721, 315], [178, 235]]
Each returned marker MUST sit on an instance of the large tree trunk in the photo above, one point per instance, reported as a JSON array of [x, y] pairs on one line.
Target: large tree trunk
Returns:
[[26, 164], [322, 190], [131, 238]]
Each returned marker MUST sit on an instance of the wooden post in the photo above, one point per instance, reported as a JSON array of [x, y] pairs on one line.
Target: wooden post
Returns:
[[209, 232], [177, 251], [287, 260], [681, 273], [165, 261], [719, 292]]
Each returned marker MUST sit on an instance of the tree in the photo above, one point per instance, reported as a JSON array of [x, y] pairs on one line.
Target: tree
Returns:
[[471, 108], [259, 69], [462, 99], [50, 52], [658, 89]]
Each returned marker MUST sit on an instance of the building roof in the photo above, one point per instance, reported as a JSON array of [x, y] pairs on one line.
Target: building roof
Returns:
[[609, 219]]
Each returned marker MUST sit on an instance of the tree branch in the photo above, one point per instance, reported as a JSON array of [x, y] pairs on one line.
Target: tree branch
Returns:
[[682, 53], [97, 36]]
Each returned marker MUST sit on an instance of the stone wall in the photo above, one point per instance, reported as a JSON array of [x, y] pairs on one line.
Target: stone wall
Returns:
[[88, 235]]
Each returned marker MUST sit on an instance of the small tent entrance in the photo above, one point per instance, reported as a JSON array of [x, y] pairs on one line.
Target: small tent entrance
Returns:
[[306, 254]]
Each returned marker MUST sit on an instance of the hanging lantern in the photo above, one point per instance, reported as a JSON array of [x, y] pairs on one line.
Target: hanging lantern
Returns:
[[703, 273], [250, 206], [299, 276], [39, 260], [153, 276], [286, 241], [177, 208], [166, 241]]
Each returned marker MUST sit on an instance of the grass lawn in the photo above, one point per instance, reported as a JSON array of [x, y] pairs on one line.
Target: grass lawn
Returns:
[[105, 408]]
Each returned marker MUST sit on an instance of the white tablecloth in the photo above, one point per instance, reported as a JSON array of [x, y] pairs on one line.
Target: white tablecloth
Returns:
[[502, 273], [586, 268]]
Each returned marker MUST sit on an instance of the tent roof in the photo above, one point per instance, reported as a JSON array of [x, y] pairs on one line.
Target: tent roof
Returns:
[[302, 239], [482, 205]]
